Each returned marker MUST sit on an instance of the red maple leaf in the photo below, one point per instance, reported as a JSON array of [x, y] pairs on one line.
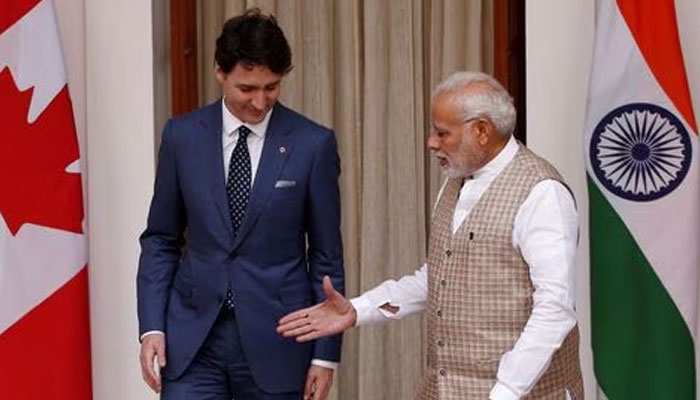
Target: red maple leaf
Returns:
[[34, 185]]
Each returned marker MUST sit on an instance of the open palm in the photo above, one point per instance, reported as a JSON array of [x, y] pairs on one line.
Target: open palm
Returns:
[[334, 315]]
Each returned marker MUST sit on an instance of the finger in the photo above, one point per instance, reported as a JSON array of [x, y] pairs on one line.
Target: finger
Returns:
[[303, 313], [147, 368], [160, 352], [323, 386], [152, 382], [149, 375], [326, 390], [320, 394], [302, 330], [146, 379], [147, 363], [309, 336], [308, 387], [306, 321], [318, 391]]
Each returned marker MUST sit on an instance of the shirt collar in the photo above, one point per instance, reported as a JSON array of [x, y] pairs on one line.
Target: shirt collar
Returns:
[[231, 123], [498, 163]]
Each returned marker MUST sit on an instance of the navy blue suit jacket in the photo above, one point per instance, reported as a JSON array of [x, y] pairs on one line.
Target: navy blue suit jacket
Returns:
[[288, 240]]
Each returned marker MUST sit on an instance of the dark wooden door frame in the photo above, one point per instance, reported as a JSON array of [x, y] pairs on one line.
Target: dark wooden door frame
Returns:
[[509, 54], [183, 55]]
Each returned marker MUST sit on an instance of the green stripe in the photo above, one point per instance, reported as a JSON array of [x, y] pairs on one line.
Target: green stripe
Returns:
[[642, 348]]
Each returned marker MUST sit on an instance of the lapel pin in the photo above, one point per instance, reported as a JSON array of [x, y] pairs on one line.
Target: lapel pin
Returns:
[[282, 150]]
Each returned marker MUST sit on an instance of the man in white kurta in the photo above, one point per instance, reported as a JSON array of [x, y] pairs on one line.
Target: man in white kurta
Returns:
[[498, 284]]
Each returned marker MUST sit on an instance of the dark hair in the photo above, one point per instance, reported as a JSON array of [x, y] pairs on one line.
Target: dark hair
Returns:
[[253, 38]]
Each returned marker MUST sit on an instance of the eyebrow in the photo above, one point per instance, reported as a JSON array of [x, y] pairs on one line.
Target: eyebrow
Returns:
[[248, 86]]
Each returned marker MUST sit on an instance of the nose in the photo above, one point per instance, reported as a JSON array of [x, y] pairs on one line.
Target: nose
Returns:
[[433, 142], [259, 101]]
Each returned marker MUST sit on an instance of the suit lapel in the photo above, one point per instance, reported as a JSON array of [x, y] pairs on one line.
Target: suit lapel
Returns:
[[276, 150], [214, 159]]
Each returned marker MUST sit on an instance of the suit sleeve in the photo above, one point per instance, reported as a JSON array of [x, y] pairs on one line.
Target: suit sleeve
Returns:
[[161, 241], [325, 248]]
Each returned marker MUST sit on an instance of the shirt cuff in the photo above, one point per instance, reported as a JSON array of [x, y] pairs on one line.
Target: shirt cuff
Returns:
[[151, 333], [501, 392], [367, 313], [325, 364]]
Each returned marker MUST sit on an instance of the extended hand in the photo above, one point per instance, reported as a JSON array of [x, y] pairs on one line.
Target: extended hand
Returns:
[[318, 383], [152, 346], [334, 315]]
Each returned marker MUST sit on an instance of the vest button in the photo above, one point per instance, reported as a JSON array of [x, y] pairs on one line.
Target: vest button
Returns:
[[448, 252], [443, 282], [443, 372], [439, 313], [441, 343]]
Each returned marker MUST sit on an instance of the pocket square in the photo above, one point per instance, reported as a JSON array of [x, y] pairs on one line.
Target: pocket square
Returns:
[[284, 184]]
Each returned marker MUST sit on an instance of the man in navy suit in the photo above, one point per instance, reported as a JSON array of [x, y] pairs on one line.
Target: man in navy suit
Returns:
[[243, 226]]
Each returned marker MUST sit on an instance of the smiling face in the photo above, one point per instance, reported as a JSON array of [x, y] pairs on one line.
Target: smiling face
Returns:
[[250, 91], [458, 144]]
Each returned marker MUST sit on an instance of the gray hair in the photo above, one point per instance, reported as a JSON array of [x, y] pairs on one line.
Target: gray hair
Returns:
[[494, 104]]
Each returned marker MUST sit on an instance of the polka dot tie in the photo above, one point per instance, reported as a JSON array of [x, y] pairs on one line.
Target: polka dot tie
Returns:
[[238, 189], [238, 182], [228, 303]]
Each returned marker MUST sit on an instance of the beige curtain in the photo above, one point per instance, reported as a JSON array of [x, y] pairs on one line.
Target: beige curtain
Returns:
[[366, 68]]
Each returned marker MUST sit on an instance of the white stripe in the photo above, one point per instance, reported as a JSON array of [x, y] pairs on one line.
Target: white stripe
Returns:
[[33, 265], [600, 394], [32, 50], [665, 229]]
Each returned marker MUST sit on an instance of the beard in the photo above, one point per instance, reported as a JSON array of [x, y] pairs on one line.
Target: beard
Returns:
[[454, 168], [468, 158]]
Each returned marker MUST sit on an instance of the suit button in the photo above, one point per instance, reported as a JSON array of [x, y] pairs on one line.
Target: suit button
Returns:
[[439, 313], [443, 282], [443, 372], [441, 343], [448, 252]]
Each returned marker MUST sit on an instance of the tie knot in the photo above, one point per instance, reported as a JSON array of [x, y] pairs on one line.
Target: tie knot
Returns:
[[243, 132]]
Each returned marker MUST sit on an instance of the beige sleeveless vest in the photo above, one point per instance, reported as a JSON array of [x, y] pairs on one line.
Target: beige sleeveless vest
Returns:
[[480, 293]]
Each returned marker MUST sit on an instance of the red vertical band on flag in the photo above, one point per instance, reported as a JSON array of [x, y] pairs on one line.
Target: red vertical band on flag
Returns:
[[46, 354], [653, 26], [13, 11]]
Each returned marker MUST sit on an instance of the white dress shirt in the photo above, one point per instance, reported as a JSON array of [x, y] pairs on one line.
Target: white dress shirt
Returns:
[[546, 233], [229, 138], [256, 140]]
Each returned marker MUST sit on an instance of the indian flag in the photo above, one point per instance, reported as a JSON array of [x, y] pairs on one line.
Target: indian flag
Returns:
[[644, 191]]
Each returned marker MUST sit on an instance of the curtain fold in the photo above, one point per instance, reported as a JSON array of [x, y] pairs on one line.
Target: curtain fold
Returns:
[[365, 68]]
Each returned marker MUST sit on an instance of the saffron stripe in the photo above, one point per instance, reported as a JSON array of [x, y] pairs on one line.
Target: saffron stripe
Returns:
[[653, 26]]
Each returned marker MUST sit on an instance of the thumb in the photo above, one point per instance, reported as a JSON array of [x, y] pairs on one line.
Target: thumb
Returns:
[[328, 289], [160, 352]]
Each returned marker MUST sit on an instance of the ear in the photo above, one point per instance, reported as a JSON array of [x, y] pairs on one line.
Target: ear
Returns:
[[484, 129], [220, 74]]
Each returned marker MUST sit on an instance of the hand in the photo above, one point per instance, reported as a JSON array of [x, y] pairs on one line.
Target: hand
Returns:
[[334, 315], [318, 383], [152, 346]]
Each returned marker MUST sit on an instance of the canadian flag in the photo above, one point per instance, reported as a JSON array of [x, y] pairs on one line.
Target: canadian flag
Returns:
[[44, 326]]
